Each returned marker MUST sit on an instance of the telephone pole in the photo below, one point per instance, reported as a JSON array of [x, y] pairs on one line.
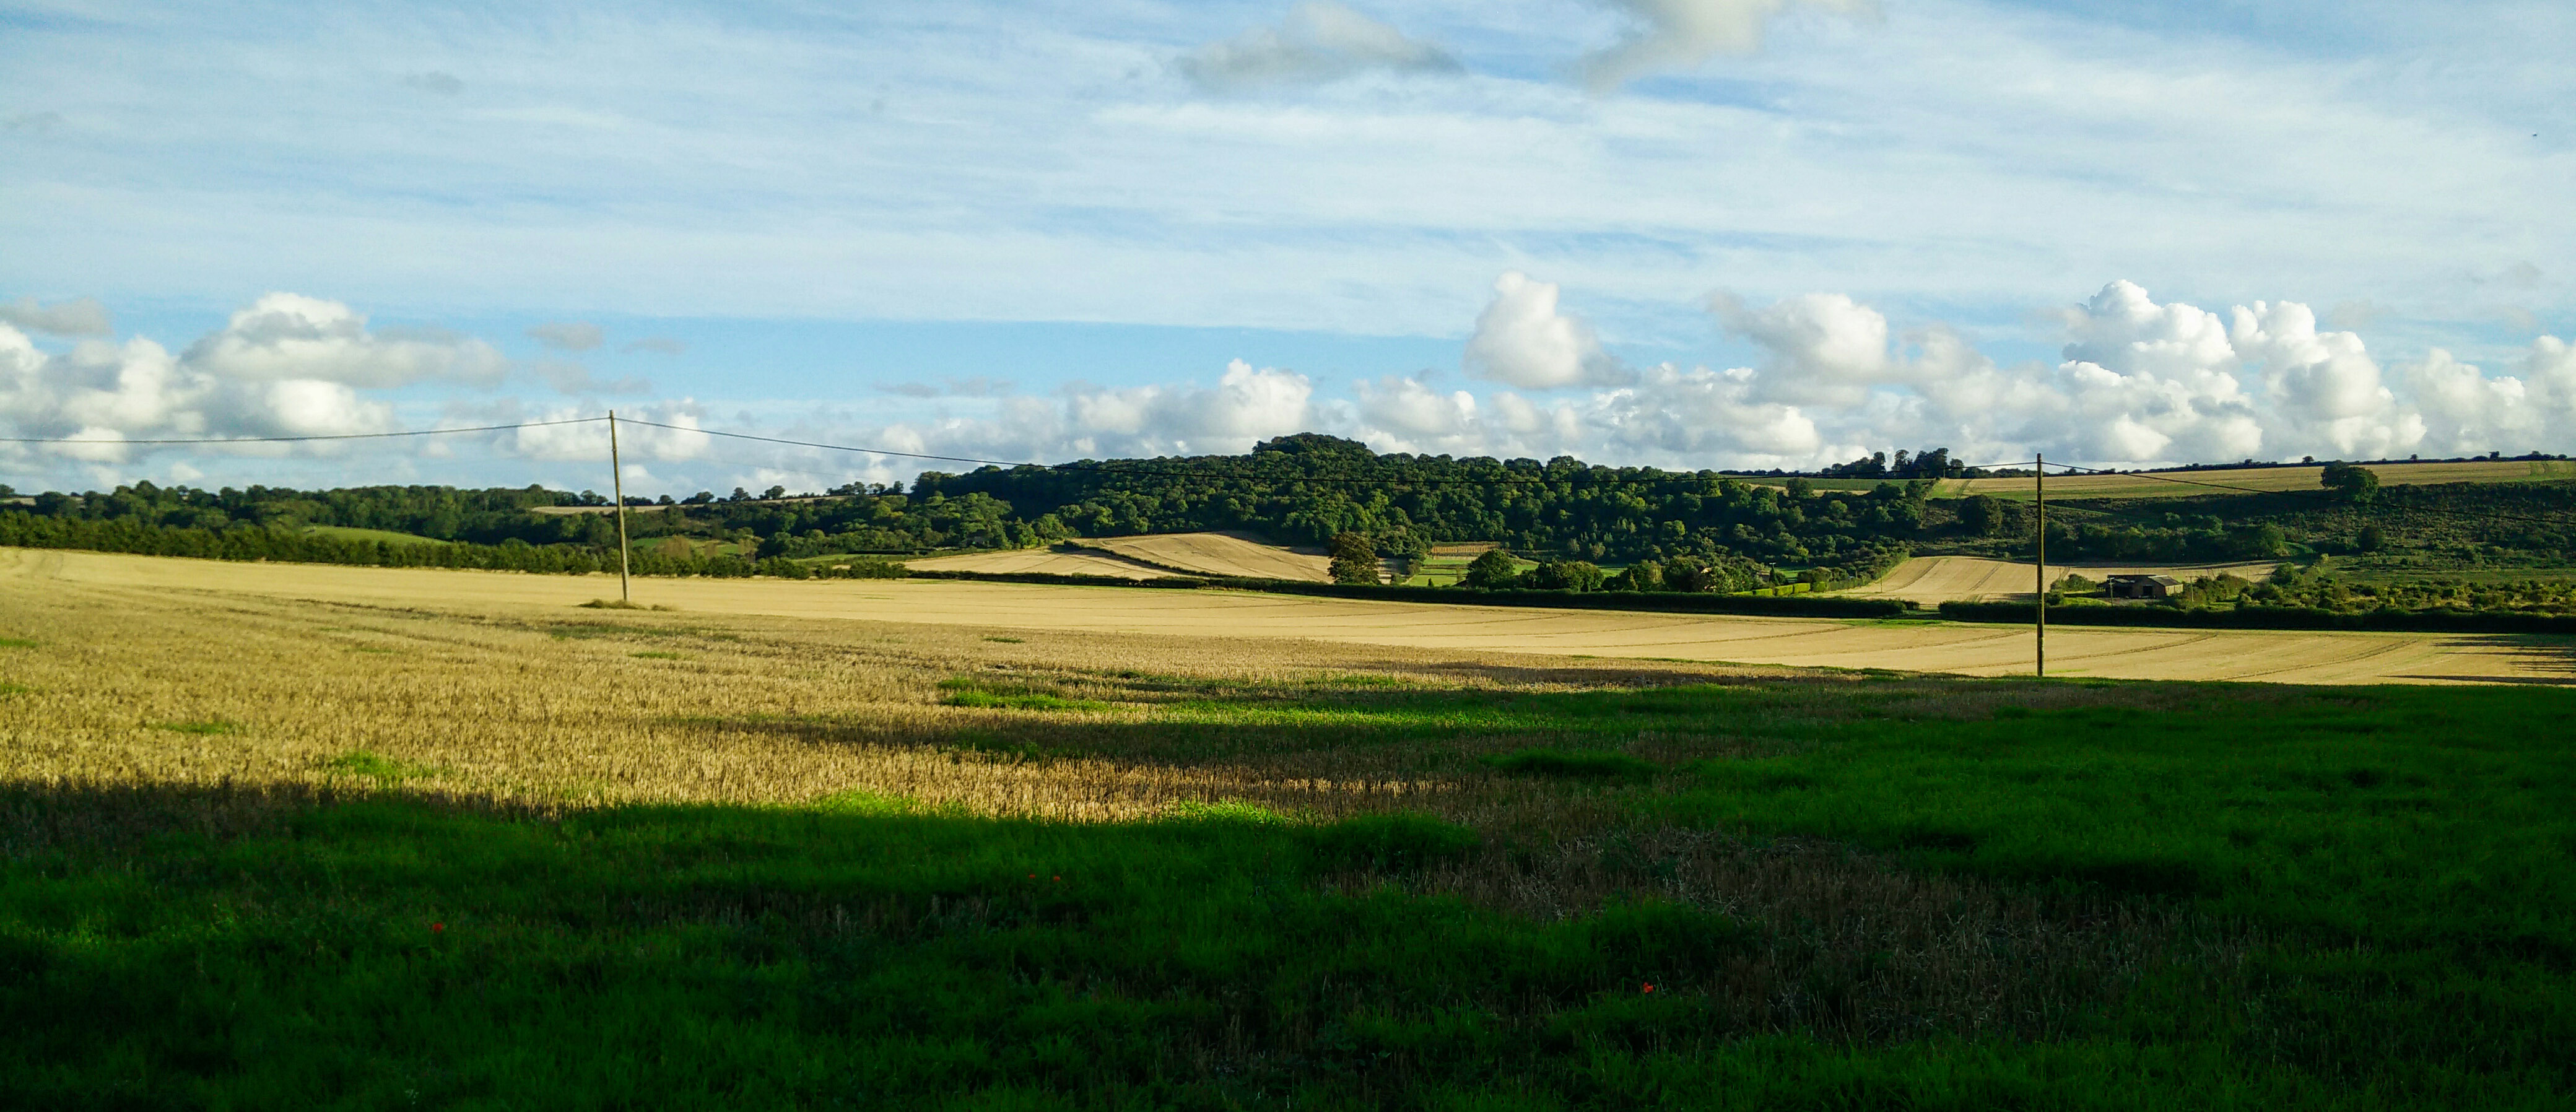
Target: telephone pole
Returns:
[[2039, 573], [617, 485]]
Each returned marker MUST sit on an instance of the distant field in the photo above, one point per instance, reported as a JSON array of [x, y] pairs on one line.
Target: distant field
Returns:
[[1038, 560], [1974, 649], [1229, 554], [386, 536], [1931, 580], [2258, 478]]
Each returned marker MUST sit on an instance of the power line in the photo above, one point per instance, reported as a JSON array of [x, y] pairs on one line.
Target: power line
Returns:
[[301, 439]]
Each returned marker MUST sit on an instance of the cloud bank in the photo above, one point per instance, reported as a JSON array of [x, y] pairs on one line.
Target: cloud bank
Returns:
[[2136, 382]]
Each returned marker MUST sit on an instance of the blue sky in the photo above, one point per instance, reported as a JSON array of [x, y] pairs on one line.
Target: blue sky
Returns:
[[1742, 233]]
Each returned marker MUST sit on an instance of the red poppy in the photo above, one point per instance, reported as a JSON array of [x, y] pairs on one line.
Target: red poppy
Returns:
[[437, 928], [1648, 988]]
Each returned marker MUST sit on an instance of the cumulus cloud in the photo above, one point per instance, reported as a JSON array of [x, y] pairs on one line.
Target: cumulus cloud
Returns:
[[1523, 339], [290, 336], [1672, 35], [1818, 347], [568, 335], [80, 316], [1319, 41]]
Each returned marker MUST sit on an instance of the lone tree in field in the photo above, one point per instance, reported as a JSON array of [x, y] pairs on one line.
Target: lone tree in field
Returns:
[[1354, 559], [2355, 484], [1492, 571]]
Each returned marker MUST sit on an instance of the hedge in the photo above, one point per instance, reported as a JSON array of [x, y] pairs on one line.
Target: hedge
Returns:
[[2269, 617]]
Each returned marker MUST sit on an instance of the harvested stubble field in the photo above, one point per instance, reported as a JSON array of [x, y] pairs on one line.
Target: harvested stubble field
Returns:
[[1930, 580], [265, 851], [2279, 656], [1040, 561], [1221, 554]]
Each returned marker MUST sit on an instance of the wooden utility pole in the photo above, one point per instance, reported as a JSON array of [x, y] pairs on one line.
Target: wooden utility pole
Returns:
[[617, 485], [2039, 574]]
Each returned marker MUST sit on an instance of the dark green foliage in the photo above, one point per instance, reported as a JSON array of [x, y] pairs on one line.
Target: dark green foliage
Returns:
[[1493, 570], [1292, 489], [1354, 559], [1563, 575], [2356, 484], [1575, 765], [1390, 843]]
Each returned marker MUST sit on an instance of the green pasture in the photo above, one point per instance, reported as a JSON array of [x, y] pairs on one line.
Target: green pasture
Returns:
[[2279, 898], [387, 536]]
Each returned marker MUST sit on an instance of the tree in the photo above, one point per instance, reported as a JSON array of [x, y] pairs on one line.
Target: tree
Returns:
[[2372, 539], [2354, 484], [1564, 575], [1981, 514], [1354, 559], [1492, 571]]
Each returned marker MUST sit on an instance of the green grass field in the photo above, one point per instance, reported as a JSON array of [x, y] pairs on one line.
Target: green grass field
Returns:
[[350, 533], [1787, 893]]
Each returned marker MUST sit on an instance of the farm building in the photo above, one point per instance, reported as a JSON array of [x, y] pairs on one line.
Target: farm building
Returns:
[[2143, 586]]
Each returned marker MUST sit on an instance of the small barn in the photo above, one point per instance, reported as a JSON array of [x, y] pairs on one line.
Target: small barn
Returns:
[[2142, 586]]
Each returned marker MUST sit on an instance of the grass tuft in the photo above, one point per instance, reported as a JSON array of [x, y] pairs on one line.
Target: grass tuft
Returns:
[[1564, 765], [1004, 640], [997, 695], [385, 771], [16, 643], [655, 654], [1400, 842], [620, 604], [207, 726]]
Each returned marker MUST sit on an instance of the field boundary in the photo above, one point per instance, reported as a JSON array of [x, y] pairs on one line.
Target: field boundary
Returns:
[[2269, 617], [1794, 606]]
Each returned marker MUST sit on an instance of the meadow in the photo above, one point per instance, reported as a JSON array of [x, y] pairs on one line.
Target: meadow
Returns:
[[260, 851]]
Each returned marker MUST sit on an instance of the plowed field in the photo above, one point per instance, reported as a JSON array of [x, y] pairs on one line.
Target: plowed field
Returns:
[[1931, 580], [2285, 656]]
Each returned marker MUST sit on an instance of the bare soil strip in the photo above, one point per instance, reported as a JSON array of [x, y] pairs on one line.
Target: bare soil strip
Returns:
[[2334, 657], [1931, 580], [1231, 554]]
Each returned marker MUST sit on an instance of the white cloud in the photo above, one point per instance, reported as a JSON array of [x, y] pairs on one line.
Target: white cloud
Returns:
[[80, 316], [1524, 340], [1681, 34], [1318, 41], [291, 336], [568, 335], [1819, 347]]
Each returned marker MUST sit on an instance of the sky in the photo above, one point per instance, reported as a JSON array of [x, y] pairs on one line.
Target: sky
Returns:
[[1688, 233]]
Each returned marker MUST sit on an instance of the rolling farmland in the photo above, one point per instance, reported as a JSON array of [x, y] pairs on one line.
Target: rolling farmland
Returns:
[[1221, 554], [1931, 580], [1041, 561], [2282, 656], [786, 826], [2258, 479]]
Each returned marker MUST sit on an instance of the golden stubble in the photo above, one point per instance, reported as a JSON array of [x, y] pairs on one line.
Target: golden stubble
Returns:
[[561, 706]]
